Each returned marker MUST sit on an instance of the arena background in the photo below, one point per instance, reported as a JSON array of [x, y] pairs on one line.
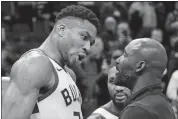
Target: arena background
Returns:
[[25, 25]]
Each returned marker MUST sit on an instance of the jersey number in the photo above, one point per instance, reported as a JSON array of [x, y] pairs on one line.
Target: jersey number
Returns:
[[77, 114]]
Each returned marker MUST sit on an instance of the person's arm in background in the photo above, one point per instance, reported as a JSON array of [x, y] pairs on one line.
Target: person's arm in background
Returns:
[[172, 88], [27, 77]]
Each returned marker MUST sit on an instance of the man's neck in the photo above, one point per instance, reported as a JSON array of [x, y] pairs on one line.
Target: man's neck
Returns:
[[147, 79], [114, 109], [50, 48]]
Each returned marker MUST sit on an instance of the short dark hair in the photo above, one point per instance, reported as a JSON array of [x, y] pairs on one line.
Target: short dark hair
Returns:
[[79, 12]]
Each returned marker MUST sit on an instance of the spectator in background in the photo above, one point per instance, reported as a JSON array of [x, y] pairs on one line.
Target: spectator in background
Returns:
[[4, 52], [109, 34], [172, 18], [106, 9], [110, 25], [157, 35], [103, 96], [92, 67], [3, 34], [135, 18], [123, 35], [115, 54], [122, 9], [149, 15], [145, 11], [23, 8], [161, 14], [173, 58]]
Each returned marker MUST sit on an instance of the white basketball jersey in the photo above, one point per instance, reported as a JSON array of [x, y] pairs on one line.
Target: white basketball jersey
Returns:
[[105, 113], [63, 101]]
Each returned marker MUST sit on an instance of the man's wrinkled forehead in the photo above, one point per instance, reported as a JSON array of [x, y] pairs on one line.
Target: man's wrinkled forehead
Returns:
[[133, 47], [74, 22]]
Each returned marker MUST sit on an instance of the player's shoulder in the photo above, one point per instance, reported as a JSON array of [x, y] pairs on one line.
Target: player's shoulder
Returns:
[[32, 64], [33, 60]]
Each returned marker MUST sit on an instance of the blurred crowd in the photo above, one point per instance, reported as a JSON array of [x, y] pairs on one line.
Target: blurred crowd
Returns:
[[25, 25]]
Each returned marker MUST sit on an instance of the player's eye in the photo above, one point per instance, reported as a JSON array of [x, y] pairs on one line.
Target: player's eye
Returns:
[[92, 42], [83, 37]]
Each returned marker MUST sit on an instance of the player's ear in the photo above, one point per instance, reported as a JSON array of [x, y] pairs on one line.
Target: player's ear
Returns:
[[60, 29], [140, 66]]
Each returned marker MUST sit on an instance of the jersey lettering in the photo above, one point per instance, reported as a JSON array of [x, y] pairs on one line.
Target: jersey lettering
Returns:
[[77, 114], [66, 96], [74, 95]]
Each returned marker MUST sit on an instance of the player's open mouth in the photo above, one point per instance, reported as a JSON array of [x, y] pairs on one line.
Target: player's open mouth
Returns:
[[81, 56]]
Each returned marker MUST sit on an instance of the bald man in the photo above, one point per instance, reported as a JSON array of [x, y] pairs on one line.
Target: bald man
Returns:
[[142, 65]]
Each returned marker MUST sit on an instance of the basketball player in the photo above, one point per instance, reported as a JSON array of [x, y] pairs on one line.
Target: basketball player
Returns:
[[40, 74], [118, 94], [141, 68]]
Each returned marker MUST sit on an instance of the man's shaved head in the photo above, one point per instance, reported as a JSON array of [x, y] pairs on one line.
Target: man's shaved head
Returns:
[[143, 59], [150, 51]]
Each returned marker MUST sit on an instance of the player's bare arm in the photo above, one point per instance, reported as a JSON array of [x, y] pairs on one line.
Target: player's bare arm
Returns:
[[28, 75]]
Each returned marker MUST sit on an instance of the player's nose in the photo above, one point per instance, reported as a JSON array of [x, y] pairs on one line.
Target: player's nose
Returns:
[[119, 89], [86, 48], [118, 60]]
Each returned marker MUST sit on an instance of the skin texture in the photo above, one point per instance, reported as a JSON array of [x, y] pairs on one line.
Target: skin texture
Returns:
[[142, 64], [116, 105], [23, 90], [68, 40], [71, 38], [118, 94]]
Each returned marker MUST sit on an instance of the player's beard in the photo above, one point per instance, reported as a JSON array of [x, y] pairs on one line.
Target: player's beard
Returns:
[[72, 59], [126, 77], [118, 103]]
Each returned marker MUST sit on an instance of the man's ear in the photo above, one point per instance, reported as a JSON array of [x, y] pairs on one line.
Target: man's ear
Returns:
[[140, 66], [60, 28]]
